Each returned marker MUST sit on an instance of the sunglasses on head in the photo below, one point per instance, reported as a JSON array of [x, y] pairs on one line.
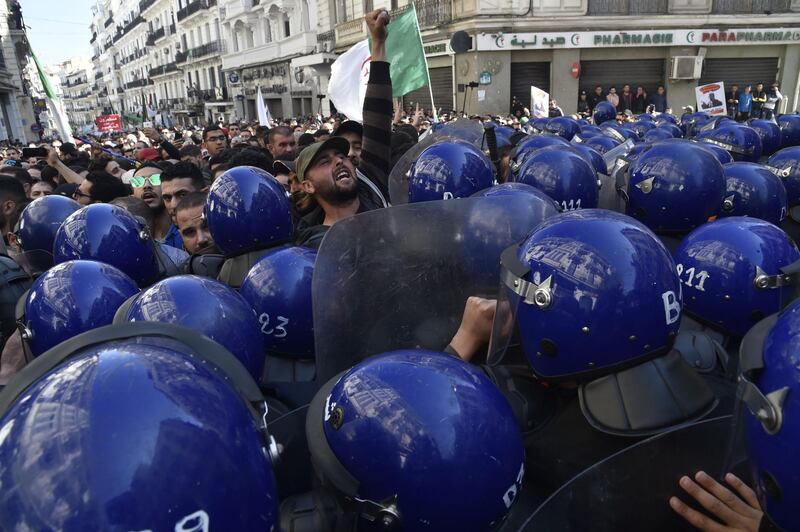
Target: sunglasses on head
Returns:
[[138, 182]]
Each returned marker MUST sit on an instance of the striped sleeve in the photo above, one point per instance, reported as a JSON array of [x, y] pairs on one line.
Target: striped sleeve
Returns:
[[376, 147]]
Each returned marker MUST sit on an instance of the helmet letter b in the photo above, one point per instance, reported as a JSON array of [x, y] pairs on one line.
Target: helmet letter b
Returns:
[[672, 307]]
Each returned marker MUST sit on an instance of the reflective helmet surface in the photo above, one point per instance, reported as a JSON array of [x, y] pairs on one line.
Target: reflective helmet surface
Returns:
[[108, 234], [449, 169], [247, 209], [39, 223], [422, 419], [675, 186], [563, 175], [602, 143], [604, 112], [542, 203], [719, 265], [71, 298], [593, 156], [790, 130], [563, 126], [210, 308], [773, 450], [770, 135], [741, 141], [752, 190], [278, 288], [133, 435], [657, 134], [786, 163], [608, 294]]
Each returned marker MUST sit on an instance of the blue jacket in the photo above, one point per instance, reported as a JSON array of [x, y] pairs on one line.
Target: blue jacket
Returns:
[[659, 101], [745, 102]]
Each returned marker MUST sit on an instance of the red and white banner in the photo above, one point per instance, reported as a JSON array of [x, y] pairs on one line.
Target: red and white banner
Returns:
[[108, 123]]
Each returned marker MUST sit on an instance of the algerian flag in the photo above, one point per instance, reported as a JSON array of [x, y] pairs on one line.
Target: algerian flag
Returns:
[[54, 104], [348, 83], [409, 68], [263, 112]]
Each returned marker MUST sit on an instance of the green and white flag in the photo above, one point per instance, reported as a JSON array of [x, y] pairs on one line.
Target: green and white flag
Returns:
[[54, 104], [409, 68]]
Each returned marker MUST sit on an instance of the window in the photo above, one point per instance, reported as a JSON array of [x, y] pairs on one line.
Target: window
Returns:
[[286, 31]]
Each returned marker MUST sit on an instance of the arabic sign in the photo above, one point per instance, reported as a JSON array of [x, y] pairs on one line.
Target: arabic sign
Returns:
[[711, 99], [614, 39], [107, 123]]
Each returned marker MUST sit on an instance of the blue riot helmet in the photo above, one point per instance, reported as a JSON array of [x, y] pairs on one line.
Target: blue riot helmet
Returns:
[[38, 225], [604, 112], [602, 143], [583, 122], [542, 203], [563, 175], [768, 386], [503, 136], [247, 209], [731, 272], [449, 169], [208, 307], [666, 117], [593, 156], [71, 298], [786, 165], [694, 122], [790, 130], [654, 135], [278, 288], [619, 133], [109, 234], [587, 293], [138, 427], [672, 129], [674, 187], [395, 434], [540, 124], [641, 127], [587, 132], [743, 143], [722, 155], [770, 135], [563, 126], [752, 190]]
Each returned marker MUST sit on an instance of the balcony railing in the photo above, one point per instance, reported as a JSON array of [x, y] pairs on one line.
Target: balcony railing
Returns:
[[194, 7], [120, 90], [627, 7], [209, 95], [214, 47], [137, 83], [174, 103], [94, 38], [181, 57], [163, 69], [156, 35], [328, 36], [756, 7], [144, 4], [76, 82], [109, 20], [138, 19]]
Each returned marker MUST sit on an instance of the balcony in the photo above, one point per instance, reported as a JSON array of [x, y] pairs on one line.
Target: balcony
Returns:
[[194, 7], [137, 83], [163, 70], [152, 37], [76, 82], [177, 104], [300, 43], [747, 7], [109, 20], [209, 95], [120, 90], [350, 32], [138, 19], [181, 57], [431, 12], [627, 7], [214, 47], [144, 4], [94, 38]]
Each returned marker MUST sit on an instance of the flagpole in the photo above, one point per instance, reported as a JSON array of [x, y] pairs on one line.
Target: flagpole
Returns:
[[427, 70]]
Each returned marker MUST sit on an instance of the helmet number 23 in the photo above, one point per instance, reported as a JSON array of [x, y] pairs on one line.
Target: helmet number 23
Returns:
[[278, 331], [694, 279]]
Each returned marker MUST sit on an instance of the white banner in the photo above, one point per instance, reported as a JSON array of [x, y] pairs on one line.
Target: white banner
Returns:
[[636, 38], [711, 99], [540, 103]]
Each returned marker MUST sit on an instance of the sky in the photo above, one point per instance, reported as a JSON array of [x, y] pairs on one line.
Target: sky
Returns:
[[58, 29]]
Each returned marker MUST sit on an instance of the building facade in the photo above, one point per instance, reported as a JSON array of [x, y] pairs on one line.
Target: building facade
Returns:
[[195, 61], [565, 46], [17, 118]]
